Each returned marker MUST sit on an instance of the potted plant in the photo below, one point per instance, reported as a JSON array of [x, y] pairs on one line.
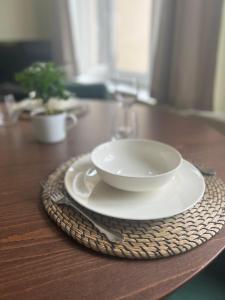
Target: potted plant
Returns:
[[44, 82]]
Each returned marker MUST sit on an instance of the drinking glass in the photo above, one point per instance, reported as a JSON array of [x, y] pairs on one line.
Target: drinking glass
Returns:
[[125, 89], [8, 112], [124, 123]]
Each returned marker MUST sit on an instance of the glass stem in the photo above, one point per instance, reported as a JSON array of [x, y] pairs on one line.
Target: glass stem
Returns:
[[126, 115]]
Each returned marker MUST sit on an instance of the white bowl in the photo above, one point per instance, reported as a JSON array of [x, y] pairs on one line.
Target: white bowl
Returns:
[[135, 164]]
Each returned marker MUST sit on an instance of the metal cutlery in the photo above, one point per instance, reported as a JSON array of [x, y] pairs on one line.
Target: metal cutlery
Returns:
[[60, 198], [206, 172]]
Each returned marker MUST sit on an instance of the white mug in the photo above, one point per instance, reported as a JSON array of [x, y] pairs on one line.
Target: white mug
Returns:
[[52, 128]]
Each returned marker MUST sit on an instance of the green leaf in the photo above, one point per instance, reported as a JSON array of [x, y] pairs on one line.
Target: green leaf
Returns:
[[46, 79]]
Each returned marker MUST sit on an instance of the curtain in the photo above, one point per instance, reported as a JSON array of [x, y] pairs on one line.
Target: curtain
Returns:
[[62, 38], [85, 32], [185, 60], [219, 90]]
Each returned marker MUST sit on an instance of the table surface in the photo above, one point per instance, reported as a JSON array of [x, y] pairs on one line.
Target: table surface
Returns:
[[38, 261]]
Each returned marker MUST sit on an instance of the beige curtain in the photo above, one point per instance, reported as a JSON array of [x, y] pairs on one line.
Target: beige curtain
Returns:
[[219, 89], [62, 38], [185, 61]]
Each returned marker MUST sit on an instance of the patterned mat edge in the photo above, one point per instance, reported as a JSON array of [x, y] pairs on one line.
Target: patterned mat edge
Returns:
[[85, 233]]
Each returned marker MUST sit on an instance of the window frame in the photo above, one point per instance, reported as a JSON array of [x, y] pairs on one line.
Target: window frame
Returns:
[[105, 67]]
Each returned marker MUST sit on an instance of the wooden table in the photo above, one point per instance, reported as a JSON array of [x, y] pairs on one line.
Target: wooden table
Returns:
[[38, 261]]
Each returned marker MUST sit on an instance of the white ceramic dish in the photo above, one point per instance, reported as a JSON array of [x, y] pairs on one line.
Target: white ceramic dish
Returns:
[[135, 164], [184, 190]]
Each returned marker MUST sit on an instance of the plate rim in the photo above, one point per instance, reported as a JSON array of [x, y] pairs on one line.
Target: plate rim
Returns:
[[87, 156]]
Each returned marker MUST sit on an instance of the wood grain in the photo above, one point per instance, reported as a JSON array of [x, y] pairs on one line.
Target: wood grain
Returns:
[[38, 261]]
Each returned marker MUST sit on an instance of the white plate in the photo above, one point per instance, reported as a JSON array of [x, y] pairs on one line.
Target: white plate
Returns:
[[184, 190]]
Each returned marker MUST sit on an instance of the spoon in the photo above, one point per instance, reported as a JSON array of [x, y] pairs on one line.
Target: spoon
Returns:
[[85, 182], [206, 172]]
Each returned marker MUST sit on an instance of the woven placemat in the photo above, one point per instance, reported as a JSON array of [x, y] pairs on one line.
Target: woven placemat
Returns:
[[142, 239]]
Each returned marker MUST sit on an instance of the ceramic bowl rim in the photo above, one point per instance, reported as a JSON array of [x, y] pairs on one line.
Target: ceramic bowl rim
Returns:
[[172, 170]]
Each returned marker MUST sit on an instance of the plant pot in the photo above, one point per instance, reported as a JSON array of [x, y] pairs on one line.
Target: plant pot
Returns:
[[52, 128]]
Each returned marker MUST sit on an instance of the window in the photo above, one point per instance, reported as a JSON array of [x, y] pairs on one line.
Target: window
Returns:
[[112, 36], [132, 35]]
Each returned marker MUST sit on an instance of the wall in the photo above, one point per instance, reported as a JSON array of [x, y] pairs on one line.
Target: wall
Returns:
[[25, 20]]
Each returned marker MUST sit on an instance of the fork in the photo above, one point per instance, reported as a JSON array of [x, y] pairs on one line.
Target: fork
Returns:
[[60, 198]]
